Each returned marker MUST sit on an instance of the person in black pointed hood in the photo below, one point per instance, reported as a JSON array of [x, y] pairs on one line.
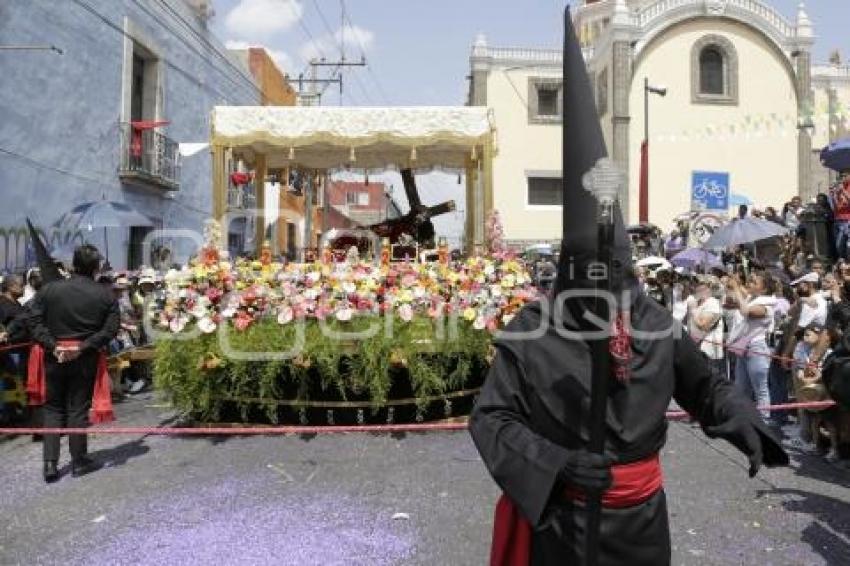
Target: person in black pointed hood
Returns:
[[530, 422]]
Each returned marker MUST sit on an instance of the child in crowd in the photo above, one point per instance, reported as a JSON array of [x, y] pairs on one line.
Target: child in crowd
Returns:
[[809, 388]]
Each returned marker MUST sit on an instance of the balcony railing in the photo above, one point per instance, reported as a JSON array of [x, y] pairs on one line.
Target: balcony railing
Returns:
[[149, 157], [241, 197]]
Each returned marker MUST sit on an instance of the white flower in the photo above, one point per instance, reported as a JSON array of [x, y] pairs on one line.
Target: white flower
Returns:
[[311, 294], [508, 318], [206, 325], [285, 315], [479, 323], [198, 312], [419, 292], [496, 290], [489, 269], [349, 287], [405, 312], [344, 314], [228, 312], [177, 324], [314, 276]]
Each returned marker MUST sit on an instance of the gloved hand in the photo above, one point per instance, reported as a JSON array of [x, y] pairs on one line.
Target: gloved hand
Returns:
[[587, 470], [742, 433]]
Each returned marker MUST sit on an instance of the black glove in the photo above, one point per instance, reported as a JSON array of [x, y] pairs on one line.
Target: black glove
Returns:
[[742, 433], [588, 471]]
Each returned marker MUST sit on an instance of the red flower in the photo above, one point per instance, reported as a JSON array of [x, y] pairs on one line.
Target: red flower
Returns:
[[242, 321]]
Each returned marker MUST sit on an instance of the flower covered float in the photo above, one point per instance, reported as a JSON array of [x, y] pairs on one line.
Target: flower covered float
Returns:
[[330, 342]]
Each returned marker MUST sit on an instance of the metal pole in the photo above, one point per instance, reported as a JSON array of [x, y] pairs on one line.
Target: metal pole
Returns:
[[600, 376], [308, 216], [646, 109]]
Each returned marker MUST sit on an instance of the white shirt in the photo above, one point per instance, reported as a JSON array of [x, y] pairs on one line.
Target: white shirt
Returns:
[[810, 314], [748, 329], [711, 342]]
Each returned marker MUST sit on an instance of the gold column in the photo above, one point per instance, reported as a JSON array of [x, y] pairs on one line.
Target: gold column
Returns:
[[260, 189], [471, 170], [487, 166], [219, 189]]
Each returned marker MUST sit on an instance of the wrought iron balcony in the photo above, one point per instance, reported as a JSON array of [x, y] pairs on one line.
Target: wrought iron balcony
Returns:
[[241, 197], [149, 157]]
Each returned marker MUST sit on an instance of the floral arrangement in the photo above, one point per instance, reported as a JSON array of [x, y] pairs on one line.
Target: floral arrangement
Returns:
[[262, 301], [494, 234], [210, 291]]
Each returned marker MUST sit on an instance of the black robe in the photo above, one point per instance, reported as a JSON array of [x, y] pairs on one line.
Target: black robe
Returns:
[[535, 405]]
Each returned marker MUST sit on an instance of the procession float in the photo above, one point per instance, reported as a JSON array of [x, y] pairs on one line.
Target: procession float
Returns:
[[380, 326], [362, 340]]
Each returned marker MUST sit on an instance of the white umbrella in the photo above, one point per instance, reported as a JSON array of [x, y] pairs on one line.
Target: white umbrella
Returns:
[[654, 262]]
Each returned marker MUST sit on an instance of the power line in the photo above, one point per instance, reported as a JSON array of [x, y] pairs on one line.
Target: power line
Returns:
[[369, 67], [223, 56], [249, 81], [32, 162]]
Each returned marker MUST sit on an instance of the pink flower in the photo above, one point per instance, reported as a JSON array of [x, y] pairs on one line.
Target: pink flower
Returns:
[[322, 312], [242, 321], [405, 312]]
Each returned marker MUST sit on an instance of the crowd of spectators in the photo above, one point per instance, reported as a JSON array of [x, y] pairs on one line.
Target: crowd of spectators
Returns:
[[771, 315]]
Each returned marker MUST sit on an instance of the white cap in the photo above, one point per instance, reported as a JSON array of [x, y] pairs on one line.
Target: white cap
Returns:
[[811, 277]]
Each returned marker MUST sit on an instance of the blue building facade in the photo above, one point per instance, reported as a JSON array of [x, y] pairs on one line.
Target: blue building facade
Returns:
[[104, 119]]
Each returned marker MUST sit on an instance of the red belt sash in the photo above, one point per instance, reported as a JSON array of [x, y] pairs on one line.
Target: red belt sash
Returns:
[[632, 485], [101, 407]]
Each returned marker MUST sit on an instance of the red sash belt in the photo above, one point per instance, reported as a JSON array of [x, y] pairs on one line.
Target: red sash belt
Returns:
[[633, 484], [101, 406]]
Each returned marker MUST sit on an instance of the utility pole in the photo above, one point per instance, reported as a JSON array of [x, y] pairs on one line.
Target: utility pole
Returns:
[[338, 66]]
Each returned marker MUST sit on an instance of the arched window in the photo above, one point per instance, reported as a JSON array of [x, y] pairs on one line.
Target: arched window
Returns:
[[714, 71], [711, 71]]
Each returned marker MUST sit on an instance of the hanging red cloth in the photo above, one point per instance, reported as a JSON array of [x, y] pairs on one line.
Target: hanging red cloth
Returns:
[[139, 126], [240, 178], [101, 407]]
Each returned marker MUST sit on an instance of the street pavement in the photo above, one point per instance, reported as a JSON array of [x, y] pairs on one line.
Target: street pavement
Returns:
[[369, 499]]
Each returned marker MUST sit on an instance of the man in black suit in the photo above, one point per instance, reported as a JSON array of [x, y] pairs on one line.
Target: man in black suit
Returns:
[[73, 319]]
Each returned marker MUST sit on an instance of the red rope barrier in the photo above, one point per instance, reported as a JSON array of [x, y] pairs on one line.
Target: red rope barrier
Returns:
[[335, 429], [19, 346]]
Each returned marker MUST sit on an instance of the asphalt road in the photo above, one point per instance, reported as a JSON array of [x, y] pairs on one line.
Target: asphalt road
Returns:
[[373, 500]]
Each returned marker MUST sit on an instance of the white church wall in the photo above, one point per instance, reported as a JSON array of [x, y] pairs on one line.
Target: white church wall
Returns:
[[754, 141], [525, 150]]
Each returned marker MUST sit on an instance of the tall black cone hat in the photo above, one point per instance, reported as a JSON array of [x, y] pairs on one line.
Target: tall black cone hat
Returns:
[[46, 264], [583, 145]]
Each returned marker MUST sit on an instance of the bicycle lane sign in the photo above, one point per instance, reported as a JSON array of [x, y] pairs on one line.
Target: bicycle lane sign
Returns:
[[709, 191]]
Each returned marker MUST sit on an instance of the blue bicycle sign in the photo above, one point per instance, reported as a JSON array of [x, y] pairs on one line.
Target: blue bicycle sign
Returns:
[[709, 191]]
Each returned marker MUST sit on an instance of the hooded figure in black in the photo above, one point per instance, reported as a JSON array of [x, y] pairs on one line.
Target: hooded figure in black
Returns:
[[530, 422]]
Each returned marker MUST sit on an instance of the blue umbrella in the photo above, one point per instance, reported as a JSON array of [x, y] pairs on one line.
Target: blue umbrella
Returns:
[[695, 257], [744, 231], [103, 214], [836, 155], [738, 200]]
